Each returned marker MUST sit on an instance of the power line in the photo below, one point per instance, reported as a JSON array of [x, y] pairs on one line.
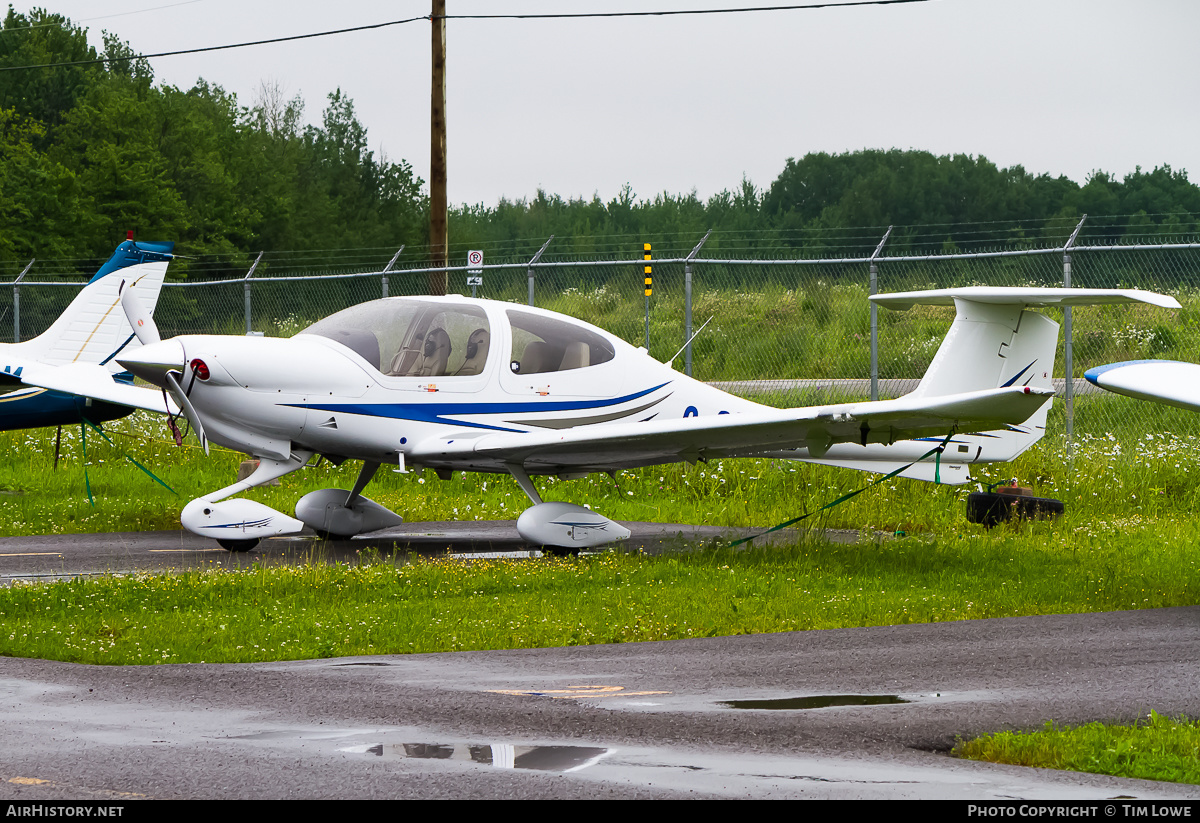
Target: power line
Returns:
[[577, 15], [214, 48], [738, 10], [101, 17], [139, 11]]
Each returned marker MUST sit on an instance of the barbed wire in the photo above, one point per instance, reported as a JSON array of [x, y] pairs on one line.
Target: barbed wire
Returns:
[[806, 244]]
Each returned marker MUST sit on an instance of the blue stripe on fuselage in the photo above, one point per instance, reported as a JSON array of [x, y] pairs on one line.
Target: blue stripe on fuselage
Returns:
[[437, 412]]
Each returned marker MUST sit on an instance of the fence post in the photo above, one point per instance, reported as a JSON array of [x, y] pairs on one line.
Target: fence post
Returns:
[[17, 302], [1068, 353], [532, 263], [874, 289], [687, 304], [387, 268], [246, 287]]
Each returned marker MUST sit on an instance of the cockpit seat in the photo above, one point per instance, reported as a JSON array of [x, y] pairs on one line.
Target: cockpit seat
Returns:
[[436, 354], [577, 356], [477, 352], [538, 357]]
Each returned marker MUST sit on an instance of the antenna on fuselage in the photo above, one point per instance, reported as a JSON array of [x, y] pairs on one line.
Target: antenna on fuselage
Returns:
[[689, 341]]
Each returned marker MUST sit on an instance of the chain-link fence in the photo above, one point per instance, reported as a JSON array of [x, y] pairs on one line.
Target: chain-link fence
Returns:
[[784, 330]]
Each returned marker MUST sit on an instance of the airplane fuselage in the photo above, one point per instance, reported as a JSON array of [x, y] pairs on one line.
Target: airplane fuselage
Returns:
[[29, 408], [257, 395]]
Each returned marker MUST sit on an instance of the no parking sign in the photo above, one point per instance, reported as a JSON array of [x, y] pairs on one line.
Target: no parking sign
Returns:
[[474, 269]]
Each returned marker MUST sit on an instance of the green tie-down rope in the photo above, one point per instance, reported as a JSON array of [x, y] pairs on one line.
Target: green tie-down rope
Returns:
[[87, 482], [937, 479]]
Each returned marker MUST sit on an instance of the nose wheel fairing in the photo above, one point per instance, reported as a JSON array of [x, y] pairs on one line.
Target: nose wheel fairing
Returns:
[[236, 520]]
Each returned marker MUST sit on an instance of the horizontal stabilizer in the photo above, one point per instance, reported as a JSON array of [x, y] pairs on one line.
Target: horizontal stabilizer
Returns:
[[1026, 297]]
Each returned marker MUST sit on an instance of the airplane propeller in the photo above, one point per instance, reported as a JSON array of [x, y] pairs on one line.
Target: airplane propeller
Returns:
[[147, 333], [185, 405], [140, 319]]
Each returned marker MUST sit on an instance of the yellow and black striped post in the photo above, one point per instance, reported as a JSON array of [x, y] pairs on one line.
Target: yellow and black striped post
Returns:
[[649, 279], [649, 289]]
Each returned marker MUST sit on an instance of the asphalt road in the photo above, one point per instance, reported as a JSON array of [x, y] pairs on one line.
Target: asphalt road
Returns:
[[639, 720], [53, 556]]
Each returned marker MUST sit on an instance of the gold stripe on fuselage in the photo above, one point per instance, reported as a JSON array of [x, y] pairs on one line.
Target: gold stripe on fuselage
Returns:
[[19, 394]]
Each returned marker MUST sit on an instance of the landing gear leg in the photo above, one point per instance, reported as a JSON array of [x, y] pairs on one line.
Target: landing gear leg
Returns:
[[238, 525]]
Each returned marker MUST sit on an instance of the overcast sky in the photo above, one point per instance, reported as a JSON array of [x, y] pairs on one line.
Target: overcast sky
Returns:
[[581, 107]]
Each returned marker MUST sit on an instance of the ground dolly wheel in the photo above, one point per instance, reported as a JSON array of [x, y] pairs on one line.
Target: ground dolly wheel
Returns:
[[237, 545], [1032, 508], [1007, 503]]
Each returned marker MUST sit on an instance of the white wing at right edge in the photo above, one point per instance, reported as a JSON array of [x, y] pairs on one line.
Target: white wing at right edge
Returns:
[[1160, 381]]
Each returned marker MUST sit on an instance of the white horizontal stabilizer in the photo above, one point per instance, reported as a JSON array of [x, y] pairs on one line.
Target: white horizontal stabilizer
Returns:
[[1026, 297]]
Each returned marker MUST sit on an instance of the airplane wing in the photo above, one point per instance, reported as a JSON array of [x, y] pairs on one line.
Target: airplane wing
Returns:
[[88, 380], [627, 445], [1162, 381]]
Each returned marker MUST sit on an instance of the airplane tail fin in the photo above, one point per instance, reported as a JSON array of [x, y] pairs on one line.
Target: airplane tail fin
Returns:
[[93, 328], [996, 341]]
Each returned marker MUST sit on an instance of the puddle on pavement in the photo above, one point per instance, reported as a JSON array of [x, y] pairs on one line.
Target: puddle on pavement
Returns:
[[821, 701], [497, 755]]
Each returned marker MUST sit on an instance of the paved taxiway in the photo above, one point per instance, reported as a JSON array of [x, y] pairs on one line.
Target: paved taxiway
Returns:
[[631, 720], [52, 556]]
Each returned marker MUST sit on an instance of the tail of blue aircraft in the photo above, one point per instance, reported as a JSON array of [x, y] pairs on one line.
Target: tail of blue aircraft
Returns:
[[93, 328]]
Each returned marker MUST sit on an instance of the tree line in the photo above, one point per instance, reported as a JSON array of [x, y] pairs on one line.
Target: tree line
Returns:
[[90, 151]]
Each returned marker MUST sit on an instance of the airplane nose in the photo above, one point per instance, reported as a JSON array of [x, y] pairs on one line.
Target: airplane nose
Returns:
[[152, 362]]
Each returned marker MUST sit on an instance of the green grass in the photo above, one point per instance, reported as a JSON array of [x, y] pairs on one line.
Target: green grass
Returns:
[[1157, 748], [382, 607], [1126, 542], [1142, 473]]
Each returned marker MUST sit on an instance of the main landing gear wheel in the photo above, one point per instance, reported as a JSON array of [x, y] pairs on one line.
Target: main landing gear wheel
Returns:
[[237, 545], [559, 551]]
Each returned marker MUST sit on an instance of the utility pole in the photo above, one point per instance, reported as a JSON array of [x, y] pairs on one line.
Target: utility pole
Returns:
[[438, 239]]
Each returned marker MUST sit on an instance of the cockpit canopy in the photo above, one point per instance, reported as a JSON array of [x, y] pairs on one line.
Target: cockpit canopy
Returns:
[[413, 338], [428, 338], [546, 344]]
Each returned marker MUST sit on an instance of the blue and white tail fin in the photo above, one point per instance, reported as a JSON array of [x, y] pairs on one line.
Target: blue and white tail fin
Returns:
[[93, 328], [995, 341]]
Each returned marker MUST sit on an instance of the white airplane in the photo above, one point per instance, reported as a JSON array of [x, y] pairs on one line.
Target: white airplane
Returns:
[[1160, 381], [459, 384], [90, 333]]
